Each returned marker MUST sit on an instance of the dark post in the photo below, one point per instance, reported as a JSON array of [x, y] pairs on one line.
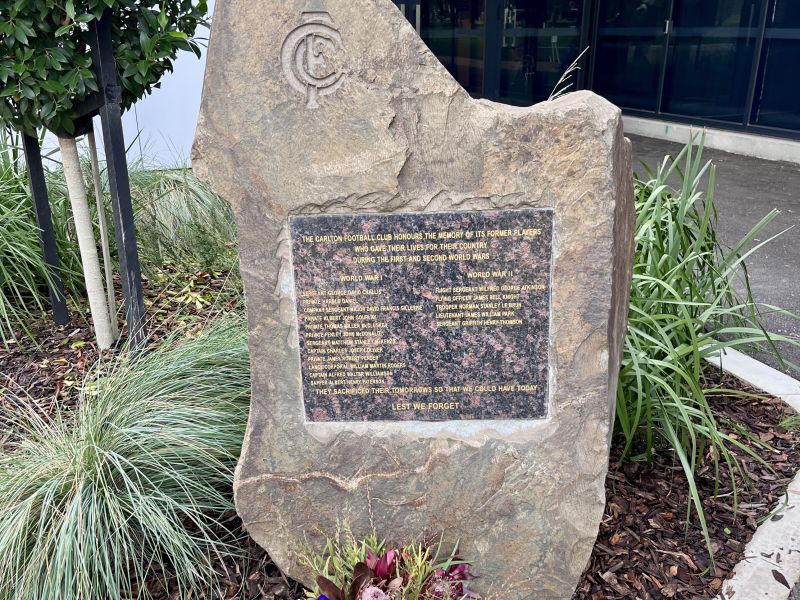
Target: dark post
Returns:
[[114, 143], [44, 220]]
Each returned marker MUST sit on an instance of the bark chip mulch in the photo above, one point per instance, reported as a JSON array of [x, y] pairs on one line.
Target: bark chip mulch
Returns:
[[45, 372], [644, 549]]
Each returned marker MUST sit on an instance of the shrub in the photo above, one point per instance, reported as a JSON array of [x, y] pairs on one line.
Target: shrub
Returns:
[[45, 62], [684, 307], [129, 487]]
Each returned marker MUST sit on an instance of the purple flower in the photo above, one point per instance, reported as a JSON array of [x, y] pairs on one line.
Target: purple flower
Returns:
[[322, 597], [373, 593]]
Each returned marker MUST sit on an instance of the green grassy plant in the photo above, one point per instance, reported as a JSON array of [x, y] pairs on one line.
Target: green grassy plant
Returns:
[[792, 423], [690, 299], [181, 222], [23, 273], [181, 226], [128, 487]]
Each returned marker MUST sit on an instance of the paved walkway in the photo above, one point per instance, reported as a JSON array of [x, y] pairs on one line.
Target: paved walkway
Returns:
[[747, 189]]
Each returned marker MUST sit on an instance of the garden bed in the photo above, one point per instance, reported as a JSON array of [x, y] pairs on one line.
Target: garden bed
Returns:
[[643, 550], [48, 368]]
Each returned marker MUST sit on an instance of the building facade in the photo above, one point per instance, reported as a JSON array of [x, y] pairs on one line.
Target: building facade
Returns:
[[730, 64]]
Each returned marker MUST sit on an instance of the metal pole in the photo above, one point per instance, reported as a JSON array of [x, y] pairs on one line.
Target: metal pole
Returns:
[[119, 185], [44, 220]]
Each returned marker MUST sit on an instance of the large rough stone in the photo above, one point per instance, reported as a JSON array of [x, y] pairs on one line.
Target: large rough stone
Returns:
[[393, 132]]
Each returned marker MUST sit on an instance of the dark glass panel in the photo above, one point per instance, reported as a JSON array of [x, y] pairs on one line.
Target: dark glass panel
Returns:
[[540, 40], [712, 48], [777, 102], [455, 31], [630, 51]]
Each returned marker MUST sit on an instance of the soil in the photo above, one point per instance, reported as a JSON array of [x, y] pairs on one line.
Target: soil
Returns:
[[645, 548]]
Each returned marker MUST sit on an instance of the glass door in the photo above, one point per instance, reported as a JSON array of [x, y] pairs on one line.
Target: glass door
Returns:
[[455, 31], [776, 101], [711, 56], [539, 41], [630, 50]]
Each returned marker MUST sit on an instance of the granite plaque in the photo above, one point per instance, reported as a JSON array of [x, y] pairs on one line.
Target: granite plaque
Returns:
[[423, 316]]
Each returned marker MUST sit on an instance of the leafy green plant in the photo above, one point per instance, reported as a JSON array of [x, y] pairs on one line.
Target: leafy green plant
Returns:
[[45, 63], [127, 490], [374, 569], [684, 307]]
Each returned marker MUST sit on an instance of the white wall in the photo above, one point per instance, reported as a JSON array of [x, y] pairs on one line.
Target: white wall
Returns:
[[166, 119]]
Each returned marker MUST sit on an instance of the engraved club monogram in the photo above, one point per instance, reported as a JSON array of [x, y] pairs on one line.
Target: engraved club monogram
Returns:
[[307, 54]]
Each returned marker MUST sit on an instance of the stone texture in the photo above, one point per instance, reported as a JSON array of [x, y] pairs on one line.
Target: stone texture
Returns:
[[393, 132]]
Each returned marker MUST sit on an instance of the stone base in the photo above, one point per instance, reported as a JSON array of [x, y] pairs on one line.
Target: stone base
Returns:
[[523, 498]]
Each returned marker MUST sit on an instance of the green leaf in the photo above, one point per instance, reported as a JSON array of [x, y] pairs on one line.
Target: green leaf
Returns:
[[48, 108], [53, 86], [63, 29], [69, 8], [19, 34], [68, 125], [26, 28]]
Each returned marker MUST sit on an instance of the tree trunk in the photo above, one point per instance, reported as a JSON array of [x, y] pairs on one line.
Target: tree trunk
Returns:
[[76, 190], [101, 215]]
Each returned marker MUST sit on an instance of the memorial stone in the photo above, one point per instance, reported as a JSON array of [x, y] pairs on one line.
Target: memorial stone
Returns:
[[436, 288]]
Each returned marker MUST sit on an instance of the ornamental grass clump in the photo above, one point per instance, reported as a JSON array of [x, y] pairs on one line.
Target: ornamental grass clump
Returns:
[[181, 222], [374, 569], [690, 299], [23, 273], [127, 490]]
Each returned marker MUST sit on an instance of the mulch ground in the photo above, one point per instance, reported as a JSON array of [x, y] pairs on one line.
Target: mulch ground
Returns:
[[44, 371], [644, 550]]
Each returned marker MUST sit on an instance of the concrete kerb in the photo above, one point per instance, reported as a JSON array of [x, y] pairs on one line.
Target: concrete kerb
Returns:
[[736, 142], [771, 563]]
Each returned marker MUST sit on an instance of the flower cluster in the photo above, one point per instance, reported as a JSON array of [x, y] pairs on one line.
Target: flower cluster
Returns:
[[399, 574]]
